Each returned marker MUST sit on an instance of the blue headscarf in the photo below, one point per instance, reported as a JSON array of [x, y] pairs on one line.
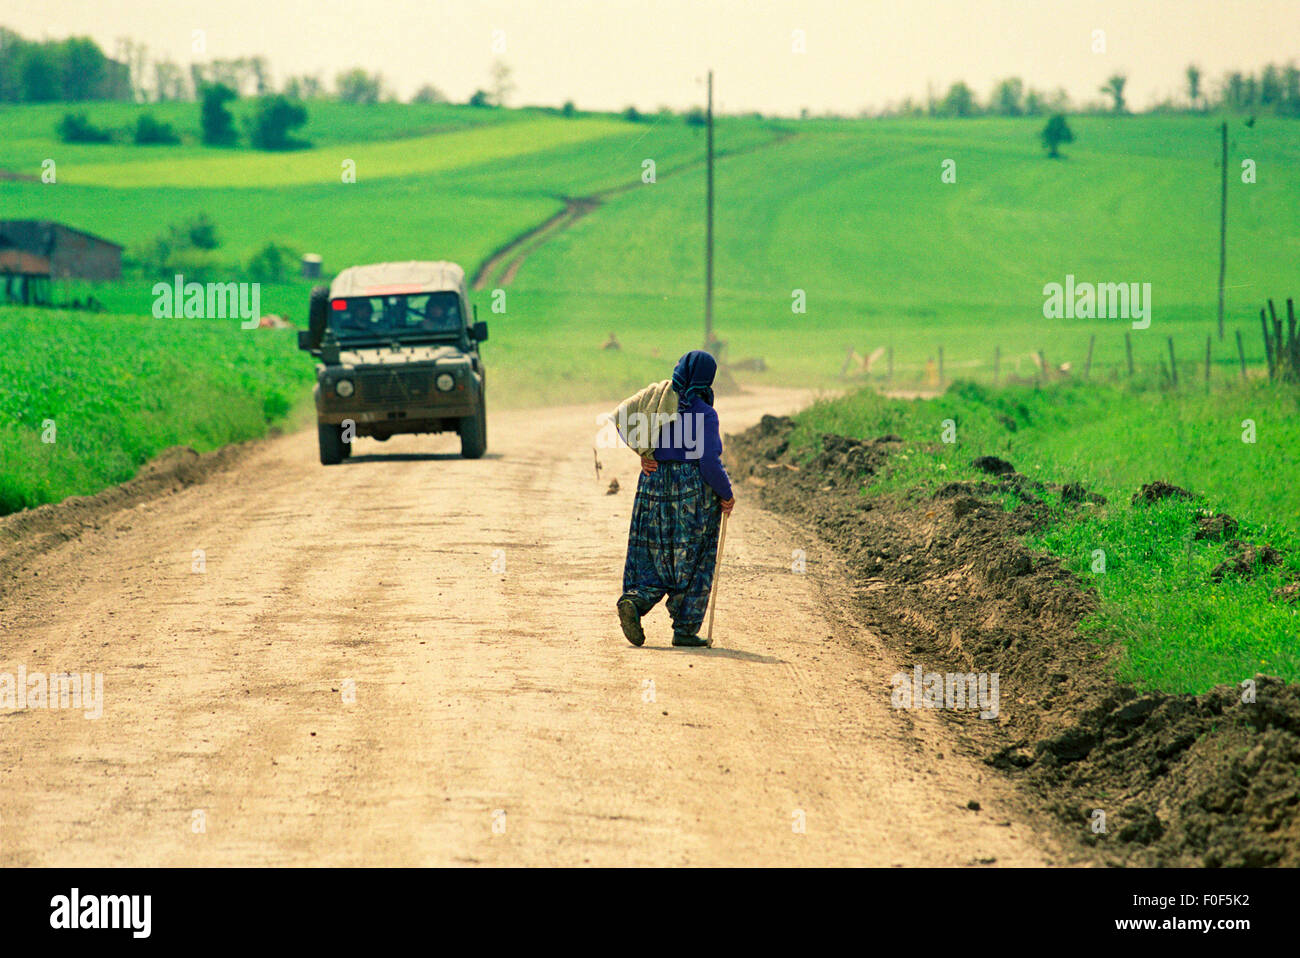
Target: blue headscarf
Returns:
[[693, 377]]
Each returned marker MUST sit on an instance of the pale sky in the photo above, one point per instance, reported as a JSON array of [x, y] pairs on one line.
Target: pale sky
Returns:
[[608, 54]]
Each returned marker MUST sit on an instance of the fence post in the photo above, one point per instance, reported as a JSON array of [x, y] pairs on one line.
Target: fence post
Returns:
[[1278, 347], [1173, 364], [1207, 360], [1268, 346], [1241, 353], [1128, 348], [1291, 338]]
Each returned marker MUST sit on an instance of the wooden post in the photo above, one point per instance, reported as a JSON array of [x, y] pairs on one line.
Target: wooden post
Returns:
[[1207, 359], [1087, 366], [1223, 218], [1128, 348], [1279, 349], [1173, 363], [1292, 342], [848, 358], [1268, 346], [1241, 353], [997, 363]]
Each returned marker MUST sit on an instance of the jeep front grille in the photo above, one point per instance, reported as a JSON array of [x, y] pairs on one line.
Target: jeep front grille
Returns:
[[394, 385]]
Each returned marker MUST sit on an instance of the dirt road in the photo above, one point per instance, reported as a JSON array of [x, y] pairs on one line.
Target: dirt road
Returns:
[[349, 680]]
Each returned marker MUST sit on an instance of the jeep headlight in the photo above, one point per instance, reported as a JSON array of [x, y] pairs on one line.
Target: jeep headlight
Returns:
[[445, 382], [344, 388]]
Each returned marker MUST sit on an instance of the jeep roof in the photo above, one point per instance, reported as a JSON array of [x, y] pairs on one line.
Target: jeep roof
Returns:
[[416, 276]]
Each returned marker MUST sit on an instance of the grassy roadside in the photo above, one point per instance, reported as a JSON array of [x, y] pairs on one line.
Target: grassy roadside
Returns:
[[1179, 630], [114, 391]]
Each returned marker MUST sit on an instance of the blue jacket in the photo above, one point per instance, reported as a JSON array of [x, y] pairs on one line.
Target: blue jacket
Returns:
[[694, 436]]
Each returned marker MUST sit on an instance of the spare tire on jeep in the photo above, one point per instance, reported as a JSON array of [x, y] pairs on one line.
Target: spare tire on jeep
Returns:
[[318, 314]]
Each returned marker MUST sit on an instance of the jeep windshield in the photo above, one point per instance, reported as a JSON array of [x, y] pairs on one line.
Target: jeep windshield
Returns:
[[397, 316]]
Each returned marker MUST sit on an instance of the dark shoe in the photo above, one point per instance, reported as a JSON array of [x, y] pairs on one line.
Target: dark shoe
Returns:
[[690, 641], [629, 616]]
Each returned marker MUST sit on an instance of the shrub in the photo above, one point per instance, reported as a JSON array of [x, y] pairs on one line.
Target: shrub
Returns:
[[151, 131], [75, 128], [218, 124], [271, 126], [273, 263]]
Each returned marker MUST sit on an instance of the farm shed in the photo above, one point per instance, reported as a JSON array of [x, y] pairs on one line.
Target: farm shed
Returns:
[[34, 252]]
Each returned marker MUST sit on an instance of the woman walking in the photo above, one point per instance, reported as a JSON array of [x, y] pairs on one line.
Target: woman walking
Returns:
[[683, 491]]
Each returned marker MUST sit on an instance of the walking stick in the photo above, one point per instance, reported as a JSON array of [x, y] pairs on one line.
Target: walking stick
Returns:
[[717, 566]]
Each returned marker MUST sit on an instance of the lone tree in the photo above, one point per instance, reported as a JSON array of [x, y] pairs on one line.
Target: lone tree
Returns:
[[429, 94], [1193, 85], [358, 86], [960, 101], [218, 124], [1114, 89], [1055, 133], [271, 126], [502, 84]]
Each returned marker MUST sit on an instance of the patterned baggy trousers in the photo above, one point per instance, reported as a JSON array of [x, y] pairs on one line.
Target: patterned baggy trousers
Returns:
[[672, 544]]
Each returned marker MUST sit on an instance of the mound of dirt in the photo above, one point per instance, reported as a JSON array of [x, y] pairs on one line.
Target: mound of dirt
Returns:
[[1155, 491], [994, 465], [1216, 528], [1247, 562], [33, 531], [1179, 779]]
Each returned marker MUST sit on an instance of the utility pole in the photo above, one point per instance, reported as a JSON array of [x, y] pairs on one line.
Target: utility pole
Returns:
[[708, 229], [1223, 222]]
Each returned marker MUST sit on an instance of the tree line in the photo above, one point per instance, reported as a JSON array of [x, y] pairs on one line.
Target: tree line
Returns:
[[1275, 89], [76, 69]]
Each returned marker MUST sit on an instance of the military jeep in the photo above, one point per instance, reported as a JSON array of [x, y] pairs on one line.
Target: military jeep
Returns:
[[398, 351]]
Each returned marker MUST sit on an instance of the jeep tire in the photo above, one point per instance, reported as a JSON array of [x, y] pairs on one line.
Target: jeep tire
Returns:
[[332, 448], [473, 433]]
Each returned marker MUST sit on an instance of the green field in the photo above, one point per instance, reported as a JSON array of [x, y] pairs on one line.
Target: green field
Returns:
[[855, 215], [87, 400]]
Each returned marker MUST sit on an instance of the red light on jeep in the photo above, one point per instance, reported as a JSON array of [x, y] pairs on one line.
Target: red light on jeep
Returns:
[[339, 305]]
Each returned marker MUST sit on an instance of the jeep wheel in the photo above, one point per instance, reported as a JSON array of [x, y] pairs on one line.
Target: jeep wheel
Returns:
[[473, 433], [331, 444]]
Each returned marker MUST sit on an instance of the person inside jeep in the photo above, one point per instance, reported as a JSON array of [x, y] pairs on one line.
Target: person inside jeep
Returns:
[[357, 316], [440, 318]]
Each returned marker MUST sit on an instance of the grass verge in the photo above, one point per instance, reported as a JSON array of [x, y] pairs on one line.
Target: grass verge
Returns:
[[1179, 629], [89, 399]]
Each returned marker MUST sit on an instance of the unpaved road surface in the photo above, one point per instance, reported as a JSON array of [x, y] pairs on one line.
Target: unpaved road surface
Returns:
[[351, 681]]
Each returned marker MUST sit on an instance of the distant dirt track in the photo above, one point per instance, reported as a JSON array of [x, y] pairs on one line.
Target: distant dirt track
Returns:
[[477, 693]]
